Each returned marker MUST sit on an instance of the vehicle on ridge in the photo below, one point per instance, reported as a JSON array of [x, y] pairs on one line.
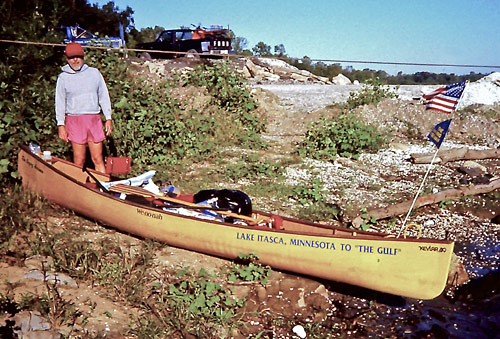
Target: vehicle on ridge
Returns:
[[213, 42]]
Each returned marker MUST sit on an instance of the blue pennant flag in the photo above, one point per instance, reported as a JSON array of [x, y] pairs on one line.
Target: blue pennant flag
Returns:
[[439, 132]]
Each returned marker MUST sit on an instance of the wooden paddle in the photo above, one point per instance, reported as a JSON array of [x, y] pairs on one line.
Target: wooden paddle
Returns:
[[126, 189]]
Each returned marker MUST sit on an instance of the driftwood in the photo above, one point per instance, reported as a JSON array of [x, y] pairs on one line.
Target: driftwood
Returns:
[[402, 208], [456, 154]]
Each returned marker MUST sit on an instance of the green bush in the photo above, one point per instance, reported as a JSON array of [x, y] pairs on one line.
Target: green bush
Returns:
[[371, 94], [149, 125], [27, 78], [248, 269], [26, 106], [313, 202], [344, 135], [230, 93], [188, 305]]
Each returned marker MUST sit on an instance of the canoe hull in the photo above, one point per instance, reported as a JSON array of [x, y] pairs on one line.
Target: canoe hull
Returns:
[[407, 267]]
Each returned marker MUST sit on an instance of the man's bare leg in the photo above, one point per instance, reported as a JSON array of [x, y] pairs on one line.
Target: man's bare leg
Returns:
[[79, 153], [96, 154]]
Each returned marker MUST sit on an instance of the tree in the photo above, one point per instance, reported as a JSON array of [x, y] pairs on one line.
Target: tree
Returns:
[[240, 46], [262, 49], [28, 72], [104, 21], [279, 51], [144, 35]]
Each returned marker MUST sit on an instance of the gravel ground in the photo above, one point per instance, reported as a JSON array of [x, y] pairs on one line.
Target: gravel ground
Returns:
[[377, 179], [311, 97], [389, 172]]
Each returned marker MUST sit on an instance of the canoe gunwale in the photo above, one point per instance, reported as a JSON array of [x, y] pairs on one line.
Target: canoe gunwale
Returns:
[[355, 234]]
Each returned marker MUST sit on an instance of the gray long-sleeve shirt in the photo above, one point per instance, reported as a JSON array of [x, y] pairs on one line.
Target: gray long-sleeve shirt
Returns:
[[82, 92]]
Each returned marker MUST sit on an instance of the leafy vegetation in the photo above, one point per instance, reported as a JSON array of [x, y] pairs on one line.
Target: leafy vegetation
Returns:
[[445, 203], [344, 135], [313, 193], [371, 94], [28, 72], [249, 270], [149, 124], [191, 304], [253, 167], [312, 199], [367, 220], [183, 303], [230, 93], [156, 130]]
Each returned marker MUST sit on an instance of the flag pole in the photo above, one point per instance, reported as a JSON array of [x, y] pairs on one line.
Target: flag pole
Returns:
[[425, 176], [418, 192]]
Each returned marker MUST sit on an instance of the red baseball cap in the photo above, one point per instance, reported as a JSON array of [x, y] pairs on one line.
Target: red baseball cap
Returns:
[[74, 49]]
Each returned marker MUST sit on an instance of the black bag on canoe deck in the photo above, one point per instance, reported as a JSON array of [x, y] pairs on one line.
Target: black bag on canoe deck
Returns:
[[232, 200]]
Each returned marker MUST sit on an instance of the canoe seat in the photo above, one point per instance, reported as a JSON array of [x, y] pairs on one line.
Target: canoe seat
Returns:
[[185, 197], [91, 185]]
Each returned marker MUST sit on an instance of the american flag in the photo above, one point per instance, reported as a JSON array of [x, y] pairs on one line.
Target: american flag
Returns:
[[445, 99]]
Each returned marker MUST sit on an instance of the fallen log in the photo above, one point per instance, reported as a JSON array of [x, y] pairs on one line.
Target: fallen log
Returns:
[[455, 154], [402, 208]]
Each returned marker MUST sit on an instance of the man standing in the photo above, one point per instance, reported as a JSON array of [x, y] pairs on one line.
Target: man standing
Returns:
[[81, 93]]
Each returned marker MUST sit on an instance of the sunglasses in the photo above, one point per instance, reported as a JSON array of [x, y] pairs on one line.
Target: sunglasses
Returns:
[[75, 56]]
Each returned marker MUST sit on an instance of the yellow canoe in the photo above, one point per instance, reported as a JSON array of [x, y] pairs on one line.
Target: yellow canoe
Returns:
[[410, 267]]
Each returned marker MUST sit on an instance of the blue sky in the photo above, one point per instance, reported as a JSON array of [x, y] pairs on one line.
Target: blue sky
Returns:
[[464, 32]]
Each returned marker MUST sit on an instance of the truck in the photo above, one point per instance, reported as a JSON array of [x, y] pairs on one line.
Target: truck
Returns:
[[84, 37], [212, 42]]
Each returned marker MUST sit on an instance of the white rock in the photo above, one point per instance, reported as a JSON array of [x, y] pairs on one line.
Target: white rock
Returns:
[[298, 77], [484, 91], [246, 73], [473, 164], [341, 80], [279, 65], [299, 330], [323, 79], [429, 223], [252, 68], [270, 76]]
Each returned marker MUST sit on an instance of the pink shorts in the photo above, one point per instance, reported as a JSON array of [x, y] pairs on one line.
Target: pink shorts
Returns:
[[84, 128]]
